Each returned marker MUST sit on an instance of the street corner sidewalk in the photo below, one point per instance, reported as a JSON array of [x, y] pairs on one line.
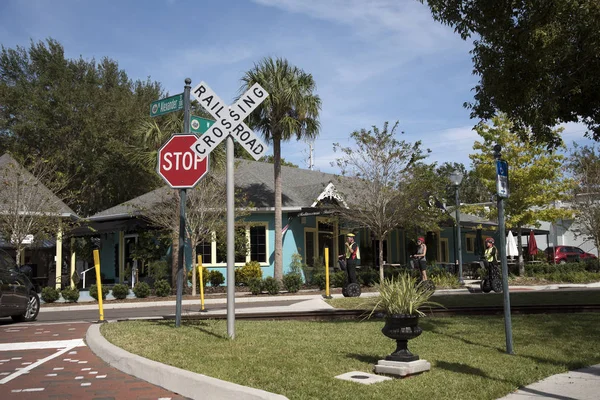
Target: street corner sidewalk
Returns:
[[581, 384]]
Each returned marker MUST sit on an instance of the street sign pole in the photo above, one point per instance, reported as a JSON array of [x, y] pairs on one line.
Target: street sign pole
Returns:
[[229, 123], [502, 193], [182, 201], [230, 241]]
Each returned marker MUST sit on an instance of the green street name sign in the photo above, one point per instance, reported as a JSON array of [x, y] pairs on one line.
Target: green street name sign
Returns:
[[199, 124], [165, 106]]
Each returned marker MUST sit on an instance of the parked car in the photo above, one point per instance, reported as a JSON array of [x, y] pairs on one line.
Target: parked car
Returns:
[[563, 254], [18, 298]]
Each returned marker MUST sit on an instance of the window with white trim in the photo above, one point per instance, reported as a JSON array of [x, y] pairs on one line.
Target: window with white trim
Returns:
[[257, 236]]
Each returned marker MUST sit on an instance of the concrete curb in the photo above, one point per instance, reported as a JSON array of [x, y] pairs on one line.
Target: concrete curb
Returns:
[[185, 383]]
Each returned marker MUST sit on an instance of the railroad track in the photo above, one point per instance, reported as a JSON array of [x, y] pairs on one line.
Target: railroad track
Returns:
[[436, 312]]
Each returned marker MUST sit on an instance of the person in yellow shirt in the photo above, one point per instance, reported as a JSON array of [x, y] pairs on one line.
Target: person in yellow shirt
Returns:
[[351, 257]]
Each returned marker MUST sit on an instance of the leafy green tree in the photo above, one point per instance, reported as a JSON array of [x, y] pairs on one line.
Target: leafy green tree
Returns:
[[472, 190], [291, 109], [584, 164], [536, 177], [537, 60], [390, 187], [29, 202], [80, 115], [271, 160]]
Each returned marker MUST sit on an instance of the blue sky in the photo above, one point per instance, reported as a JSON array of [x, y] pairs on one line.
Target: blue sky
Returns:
[[373, 61]]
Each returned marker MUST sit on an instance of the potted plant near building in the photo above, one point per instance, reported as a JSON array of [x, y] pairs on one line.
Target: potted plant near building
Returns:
[[402, 299]]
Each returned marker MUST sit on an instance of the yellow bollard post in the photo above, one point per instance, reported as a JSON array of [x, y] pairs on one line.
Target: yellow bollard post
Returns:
[[327, 295], [98, 283], [201, 284]]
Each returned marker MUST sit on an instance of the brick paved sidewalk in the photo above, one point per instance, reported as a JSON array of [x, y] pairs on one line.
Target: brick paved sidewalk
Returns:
[[73, 374]]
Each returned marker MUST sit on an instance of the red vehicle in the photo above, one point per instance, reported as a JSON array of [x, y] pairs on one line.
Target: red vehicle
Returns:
[[563, 254]]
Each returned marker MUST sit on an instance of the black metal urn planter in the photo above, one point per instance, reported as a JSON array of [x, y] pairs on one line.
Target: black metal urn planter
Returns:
[[401, 299], [402, 328]]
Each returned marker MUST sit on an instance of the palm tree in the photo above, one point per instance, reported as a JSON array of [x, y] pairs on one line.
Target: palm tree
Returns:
[[290, 109]]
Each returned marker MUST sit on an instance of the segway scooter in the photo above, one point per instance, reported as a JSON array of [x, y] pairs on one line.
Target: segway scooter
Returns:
[[350, 289], [493, 281], [428, 284]]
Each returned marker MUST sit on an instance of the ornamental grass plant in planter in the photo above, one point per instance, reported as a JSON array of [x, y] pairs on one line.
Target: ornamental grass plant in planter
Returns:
[[401, 299]]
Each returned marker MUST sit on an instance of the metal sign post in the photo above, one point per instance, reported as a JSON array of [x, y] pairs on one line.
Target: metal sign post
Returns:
[[229, 124], [502, 177]]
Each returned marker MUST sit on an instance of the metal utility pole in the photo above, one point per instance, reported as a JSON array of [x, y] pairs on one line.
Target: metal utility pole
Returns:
[[503, 192], [182, 201]]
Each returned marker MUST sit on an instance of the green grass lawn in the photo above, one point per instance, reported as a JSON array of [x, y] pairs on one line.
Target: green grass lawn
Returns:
[[300, 359], [553, 297]]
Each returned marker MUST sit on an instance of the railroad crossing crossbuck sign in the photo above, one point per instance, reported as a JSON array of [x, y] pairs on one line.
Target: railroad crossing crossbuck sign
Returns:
[[229, 120]]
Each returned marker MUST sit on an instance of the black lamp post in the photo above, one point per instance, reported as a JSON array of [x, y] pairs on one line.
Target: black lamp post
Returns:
[[456, 178]]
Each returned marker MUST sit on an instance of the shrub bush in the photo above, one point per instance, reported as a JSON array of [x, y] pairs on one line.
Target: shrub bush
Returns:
[[338, 279], [270, 285], [318, 279], [70, 295], [368, 277], [205, 276], [251, 270], [50, 295], [94, 291], [158, 269], [120, 291], [141, 290], [292, 282], [162, 288], [255, 286], [216, 278]]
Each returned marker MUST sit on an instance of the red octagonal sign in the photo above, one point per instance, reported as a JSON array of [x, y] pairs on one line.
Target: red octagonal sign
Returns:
[[178, 165]]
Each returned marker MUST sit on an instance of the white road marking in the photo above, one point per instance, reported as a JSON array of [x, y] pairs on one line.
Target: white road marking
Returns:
[[51, 374], [86, 384], [51, 344], [100, 376], [58, 369], [74, 343]]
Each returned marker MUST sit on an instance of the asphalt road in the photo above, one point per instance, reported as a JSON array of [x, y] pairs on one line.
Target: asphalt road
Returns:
[[145, 312]]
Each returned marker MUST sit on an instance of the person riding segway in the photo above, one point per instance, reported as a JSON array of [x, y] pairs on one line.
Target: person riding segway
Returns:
[[352, 255], [419, 261], [490, 262]]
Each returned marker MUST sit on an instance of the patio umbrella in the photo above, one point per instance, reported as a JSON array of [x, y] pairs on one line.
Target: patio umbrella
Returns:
[[532, 248], [511, 245]]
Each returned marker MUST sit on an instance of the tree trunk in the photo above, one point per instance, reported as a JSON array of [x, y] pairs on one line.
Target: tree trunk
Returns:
[[194, 270], [278, 273], [174, 258], [381, 259], [520, 251]]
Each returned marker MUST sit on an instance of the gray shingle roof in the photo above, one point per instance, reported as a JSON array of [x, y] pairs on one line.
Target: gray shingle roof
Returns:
[[300, 188], [57, 204]]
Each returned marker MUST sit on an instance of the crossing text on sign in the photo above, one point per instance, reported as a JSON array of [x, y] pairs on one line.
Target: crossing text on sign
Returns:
[[229, 120]]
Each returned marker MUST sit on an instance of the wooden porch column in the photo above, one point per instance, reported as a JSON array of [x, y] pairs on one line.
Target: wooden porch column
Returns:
[[73, 260], [58, 259]]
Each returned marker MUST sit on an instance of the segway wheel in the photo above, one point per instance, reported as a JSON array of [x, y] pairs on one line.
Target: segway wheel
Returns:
[[497, 285], [485, 286], [428, 284], [351, 290]]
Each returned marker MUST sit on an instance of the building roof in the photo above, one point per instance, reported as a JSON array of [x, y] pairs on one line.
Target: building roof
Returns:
[[58, 206], [300, 189]]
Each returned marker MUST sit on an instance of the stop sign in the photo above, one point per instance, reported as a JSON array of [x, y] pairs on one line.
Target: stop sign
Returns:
[[178, 165]]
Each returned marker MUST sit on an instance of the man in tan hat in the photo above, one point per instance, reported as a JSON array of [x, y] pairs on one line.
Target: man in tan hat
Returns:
[[351, 257]]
